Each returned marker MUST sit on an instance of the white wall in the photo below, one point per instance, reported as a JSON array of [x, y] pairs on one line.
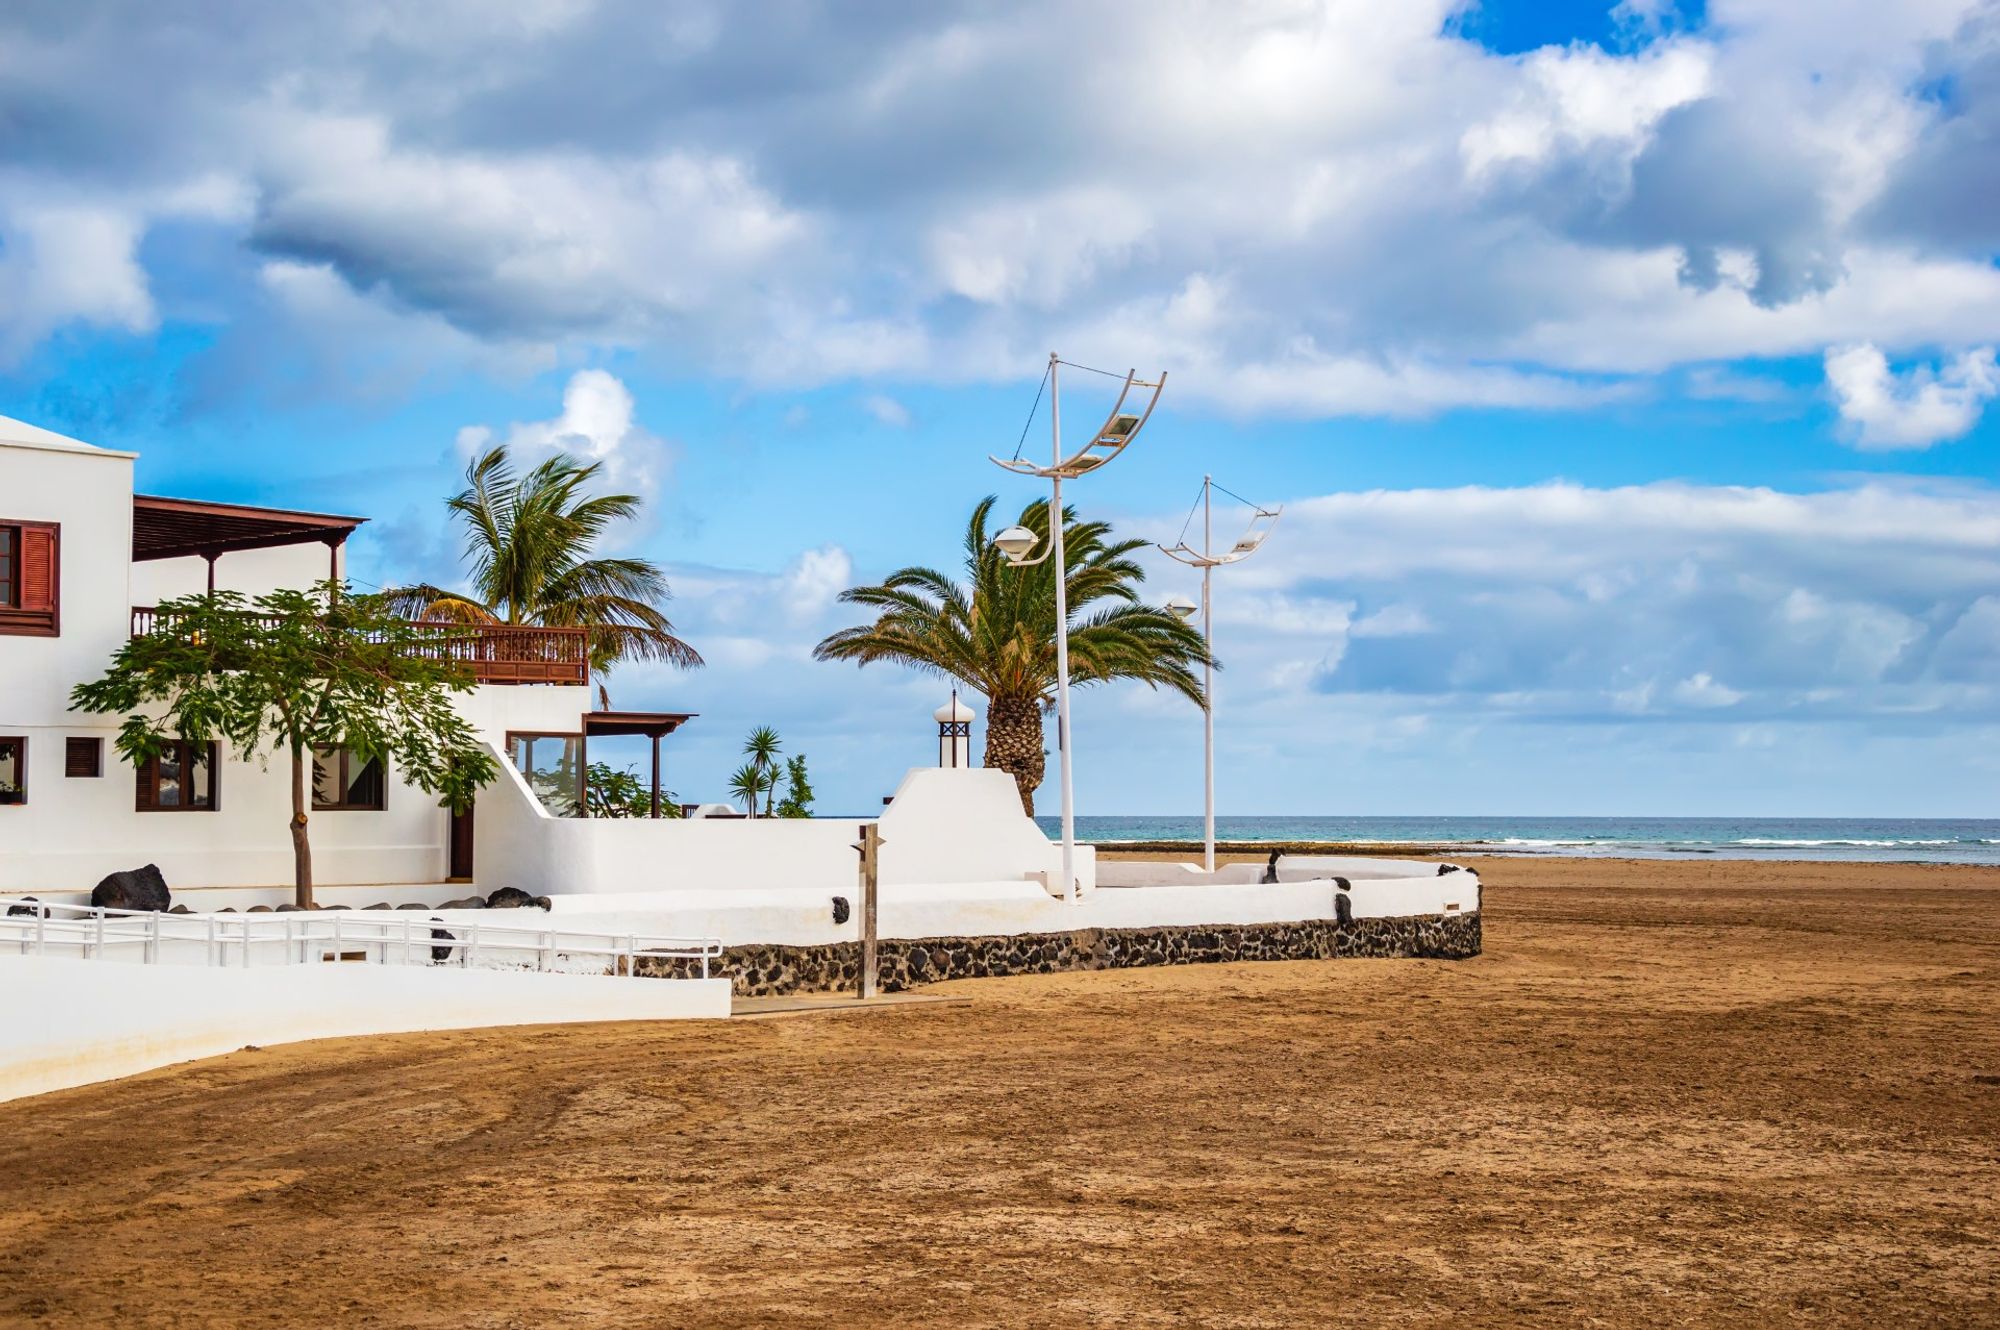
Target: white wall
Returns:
[[943, 826], [120, 1019], [804, 917], [966, 825], [251, 572]]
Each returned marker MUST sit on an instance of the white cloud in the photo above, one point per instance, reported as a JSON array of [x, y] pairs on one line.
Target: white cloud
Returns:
[[1913, 410], [815, 578], [597, 424], [1701, 690], [1392, 621], [886, 410], [1638, 602], [62, 265], [1312, 208]]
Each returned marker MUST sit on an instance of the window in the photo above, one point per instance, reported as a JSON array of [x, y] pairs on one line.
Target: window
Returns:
[[29, 583], [83, 757], [181, 779], [13, 770], [552, 764], [341, 780]]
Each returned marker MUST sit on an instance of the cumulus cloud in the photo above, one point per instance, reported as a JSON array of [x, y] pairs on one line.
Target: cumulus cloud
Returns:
[[1323, 208], [62, 265], [1567, 602], [597, 424], [1924, 406], [815, 578]]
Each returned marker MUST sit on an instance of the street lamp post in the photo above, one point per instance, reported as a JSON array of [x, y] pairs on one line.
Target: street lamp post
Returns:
[[1111, 439], [1208, 561]]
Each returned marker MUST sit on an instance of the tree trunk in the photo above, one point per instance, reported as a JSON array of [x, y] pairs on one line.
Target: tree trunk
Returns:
[[1014, 743], [302, 855]]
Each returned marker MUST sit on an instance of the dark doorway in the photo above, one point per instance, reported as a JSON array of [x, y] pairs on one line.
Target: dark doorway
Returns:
[[459, 867]]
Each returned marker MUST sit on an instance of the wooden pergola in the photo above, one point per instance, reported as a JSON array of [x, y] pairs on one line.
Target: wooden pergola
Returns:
[[164, 528], [655, 725]]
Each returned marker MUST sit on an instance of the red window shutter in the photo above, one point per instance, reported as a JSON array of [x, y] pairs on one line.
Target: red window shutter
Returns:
[[38, 569], [37, 607]]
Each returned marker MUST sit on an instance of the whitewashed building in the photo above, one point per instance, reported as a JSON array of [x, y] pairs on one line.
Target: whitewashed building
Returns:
[[83, 559]]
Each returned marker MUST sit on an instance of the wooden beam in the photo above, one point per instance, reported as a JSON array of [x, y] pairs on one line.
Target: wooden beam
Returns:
[[871, 872], [656, 777]]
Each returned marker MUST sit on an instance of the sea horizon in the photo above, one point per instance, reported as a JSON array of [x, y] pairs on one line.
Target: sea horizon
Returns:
[[1833, 839]]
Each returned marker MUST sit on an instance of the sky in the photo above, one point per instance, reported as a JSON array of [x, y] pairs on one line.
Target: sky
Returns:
[[1625, 371]]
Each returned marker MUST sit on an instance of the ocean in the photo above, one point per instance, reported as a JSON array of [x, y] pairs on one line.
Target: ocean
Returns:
[[1879, 840]]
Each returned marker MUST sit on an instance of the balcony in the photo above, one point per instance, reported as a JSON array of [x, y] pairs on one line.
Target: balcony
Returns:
[[495, 653]]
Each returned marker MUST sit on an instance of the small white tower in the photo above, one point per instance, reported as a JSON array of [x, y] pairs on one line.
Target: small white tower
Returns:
[[954, 722]]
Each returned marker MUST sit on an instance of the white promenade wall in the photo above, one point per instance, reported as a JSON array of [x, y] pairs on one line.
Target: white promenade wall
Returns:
[[83, 1021], [943, 826], [804, 917]]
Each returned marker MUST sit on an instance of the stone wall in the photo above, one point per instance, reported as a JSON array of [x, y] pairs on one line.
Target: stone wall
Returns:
[[765, 969]]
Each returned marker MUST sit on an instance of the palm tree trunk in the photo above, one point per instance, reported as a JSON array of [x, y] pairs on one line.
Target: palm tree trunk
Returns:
[[1014, 743]]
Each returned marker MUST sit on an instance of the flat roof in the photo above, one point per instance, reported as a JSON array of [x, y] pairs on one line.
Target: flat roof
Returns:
[[635, 722], [164, 528]]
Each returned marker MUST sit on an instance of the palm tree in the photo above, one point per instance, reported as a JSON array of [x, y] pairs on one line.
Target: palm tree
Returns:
[[762, 749], [529, 541], [997, 635], [747, 784]]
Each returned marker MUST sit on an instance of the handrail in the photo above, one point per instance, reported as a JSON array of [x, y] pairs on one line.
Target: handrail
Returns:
[[496, 652], [303, 937]]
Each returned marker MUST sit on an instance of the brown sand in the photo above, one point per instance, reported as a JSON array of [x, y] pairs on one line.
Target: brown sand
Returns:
[[1668, 1094]]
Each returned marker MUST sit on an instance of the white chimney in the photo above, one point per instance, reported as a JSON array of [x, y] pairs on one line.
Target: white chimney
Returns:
[[954, 722]]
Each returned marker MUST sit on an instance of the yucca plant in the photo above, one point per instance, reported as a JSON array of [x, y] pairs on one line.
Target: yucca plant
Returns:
[[996, 633], [749, 784], [762, 749], [529, 541]]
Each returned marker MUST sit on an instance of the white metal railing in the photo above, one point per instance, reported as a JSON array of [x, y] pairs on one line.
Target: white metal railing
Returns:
[[41, 928]]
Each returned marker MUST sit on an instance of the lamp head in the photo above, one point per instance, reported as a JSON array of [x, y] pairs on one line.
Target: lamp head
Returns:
[[1015, 542], [1181, 608]]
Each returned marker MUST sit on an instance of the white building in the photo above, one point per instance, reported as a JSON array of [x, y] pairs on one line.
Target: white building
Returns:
[[82, 560]]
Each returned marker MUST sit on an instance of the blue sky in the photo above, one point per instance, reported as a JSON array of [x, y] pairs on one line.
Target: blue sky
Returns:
[[1626, 369]]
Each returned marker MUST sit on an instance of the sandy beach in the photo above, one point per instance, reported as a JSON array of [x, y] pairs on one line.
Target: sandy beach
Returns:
[[1669, 1093]]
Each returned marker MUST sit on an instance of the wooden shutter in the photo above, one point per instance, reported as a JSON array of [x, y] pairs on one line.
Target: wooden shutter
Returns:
[[83, 758], [39, 613], [38, 568]]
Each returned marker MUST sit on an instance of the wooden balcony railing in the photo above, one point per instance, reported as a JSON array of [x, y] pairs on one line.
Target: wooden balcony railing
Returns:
[[494, 652]]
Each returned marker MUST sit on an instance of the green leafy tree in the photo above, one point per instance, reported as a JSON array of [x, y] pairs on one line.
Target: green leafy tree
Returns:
[[290, 672], [615, 793], [762, 749], [798, 800], [530, 541], [996, 633]]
